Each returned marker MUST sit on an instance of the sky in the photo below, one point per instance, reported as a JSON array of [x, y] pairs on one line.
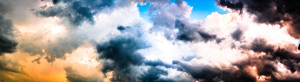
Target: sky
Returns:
[[149, 41], [201, 8]]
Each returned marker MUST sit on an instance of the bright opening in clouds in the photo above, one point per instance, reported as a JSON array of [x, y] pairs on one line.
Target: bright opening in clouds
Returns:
[[149, 40]]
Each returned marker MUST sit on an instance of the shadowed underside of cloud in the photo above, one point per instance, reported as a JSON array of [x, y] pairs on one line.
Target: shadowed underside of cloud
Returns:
[[73, 76], [270, 11], [75, 11], [120, 56], [120, 53], [7, 42]]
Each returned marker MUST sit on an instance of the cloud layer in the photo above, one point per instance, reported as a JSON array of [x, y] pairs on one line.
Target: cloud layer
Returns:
[[107, 40]]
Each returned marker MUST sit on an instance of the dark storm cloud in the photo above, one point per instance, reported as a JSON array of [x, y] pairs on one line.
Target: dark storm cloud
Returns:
[[121, 53], [75, 11], [52, 49], [7, 42], [288, 58], [55, 1], [242, 74], [72, 76], [270, 11], [120, 56]]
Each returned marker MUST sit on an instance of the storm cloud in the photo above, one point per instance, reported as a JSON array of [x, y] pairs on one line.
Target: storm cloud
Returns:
[[121, 55], [7, 42], [7, 37], [283, 12], [53, 49], [246, 70]]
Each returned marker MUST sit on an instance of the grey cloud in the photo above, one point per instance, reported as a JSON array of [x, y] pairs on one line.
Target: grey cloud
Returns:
[[9, 66], [75, 11], [269, 11], [7, 42], [122, 53], [237, 35], [193, 33], [5, 7], [214, 74], [120, 56], [73, 76], [153, 75]]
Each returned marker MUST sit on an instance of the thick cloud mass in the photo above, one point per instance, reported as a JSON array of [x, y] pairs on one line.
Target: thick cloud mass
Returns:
[[169, 47], [288, 58], [7, 42], [270, 11], [265, 65], [122, 53], [192, 33], [75, 11], [153, 74]]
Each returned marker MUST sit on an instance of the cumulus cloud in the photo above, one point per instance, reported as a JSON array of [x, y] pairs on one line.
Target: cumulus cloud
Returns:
[[168, 47], [211, 56], [75, 11], [7, 65], [121, 54]]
